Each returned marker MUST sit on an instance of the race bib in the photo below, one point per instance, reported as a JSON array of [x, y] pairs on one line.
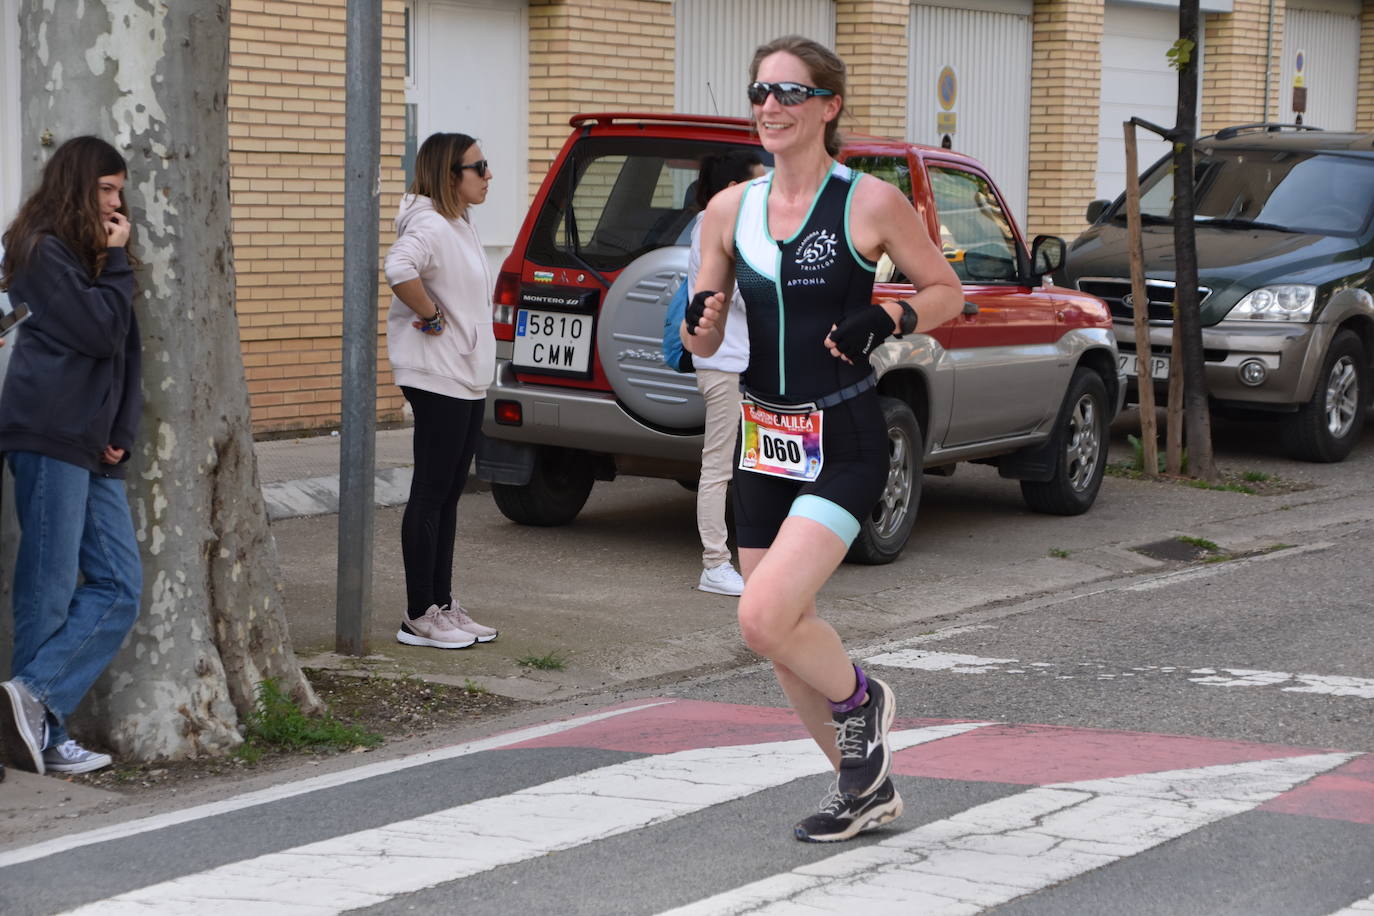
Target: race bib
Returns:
[[780, 444]]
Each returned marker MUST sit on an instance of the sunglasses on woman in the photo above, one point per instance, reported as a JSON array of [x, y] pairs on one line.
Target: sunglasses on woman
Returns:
[[785, 93], [480, 167]]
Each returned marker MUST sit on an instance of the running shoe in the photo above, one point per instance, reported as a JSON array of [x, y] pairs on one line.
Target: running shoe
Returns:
[[435, 629], [463, 621], [843, 816], [861, 736]]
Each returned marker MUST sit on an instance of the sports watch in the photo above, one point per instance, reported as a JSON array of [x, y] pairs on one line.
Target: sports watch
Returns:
[[907, 323]]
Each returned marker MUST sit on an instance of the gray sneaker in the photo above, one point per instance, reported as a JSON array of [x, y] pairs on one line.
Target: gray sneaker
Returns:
[[23, 727], [462, 621], [70, 757], [434, 629]]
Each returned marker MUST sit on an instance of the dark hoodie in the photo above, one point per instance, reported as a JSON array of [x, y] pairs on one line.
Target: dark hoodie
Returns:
[[73, 385]]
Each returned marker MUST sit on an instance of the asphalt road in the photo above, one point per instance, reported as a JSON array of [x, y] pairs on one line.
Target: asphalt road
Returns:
[[1172, 739]]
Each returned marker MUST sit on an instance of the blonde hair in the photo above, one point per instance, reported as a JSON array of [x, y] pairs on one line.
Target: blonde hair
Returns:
[[827, 72], [437, 163]]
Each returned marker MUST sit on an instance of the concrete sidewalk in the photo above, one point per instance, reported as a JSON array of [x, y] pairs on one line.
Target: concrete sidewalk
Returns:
[[300, 477]]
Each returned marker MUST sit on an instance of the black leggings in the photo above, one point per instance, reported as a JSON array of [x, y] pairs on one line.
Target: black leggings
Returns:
[[446, 431]]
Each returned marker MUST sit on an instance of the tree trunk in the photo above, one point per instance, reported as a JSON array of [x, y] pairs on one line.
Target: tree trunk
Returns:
[[1197, 417], [152, 78]]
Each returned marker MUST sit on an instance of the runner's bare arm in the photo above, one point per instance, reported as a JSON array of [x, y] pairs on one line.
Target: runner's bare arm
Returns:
[[885, 221], [717, 271]]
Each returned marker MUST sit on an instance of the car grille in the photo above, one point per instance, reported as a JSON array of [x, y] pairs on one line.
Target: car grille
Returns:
[[1117, 294], [1209, 356]]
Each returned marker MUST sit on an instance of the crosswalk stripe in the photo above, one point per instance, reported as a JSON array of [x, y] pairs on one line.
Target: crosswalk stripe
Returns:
[[301, 787], [371, 866], [1358, 908], [1005, 849]]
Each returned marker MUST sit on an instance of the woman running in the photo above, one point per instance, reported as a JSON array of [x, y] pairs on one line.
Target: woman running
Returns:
[[802, 243]]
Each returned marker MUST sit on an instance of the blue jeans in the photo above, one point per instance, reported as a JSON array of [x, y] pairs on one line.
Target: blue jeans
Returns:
[[70, 521]]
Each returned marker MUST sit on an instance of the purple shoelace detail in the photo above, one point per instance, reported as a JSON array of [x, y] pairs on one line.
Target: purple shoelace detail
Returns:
[[856, 698]]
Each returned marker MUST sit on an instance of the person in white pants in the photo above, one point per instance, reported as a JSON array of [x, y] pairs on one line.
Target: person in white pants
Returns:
[[718, 381]]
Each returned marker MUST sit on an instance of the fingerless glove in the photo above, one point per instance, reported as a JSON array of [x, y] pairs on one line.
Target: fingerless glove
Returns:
[[696, 308], [860, 331]]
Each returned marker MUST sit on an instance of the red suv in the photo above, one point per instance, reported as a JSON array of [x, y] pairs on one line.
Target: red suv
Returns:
[[1026, 378]]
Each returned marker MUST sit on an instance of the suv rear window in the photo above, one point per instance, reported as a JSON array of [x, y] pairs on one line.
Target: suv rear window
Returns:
[[1291, 190], [617, 198]]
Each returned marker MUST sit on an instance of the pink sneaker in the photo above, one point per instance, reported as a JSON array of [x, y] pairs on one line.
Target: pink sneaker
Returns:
[[459, 618], [437, 629]]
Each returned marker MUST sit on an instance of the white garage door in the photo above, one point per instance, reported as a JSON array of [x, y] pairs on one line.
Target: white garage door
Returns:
[[989, 52], [461, 51], [716, 40], [1329, 39], [1137, 81]]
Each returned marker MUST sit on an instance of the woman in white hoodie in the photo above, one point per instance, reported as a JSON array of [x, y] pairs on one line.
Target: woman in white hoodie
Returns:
[[443, 356]]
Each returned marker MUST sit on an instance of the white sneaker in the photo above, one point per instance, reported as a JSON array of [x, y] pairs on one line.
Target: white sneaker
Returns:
[[722, 580], [434, 629], [70, 757], [461, 619]]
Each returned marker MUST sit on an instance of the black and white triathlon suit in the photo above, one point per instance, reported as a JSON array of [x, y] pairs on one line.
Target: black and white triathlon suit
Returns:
[[795, 290]]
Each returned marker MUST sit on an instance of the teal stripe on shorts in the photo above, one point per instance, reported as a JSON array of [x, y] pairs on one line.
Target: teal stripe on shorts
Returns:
[[831, 515]]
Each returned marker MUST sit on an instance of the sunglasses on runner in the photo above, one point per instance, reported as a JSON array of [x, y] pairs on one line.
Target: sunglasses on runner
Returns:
[[480, 167], [785, 93]]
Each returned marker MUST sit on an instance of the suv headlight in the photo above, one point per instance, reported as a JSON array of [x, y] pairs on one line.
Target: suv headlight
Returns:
[[1290, 302]]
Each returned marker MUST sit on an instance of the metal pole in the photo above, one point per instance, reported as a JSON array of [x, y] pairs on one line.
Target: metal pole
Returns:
[[1140, 307], [357, 447]]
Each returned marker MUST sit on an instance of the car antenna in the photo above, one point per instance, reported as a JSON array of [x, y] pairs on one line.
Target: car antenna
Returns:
[[713, 98]]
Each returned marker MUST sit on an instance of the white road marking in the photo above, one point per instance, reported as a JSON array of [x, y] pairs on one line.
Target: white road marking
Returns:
[[921, 660], [313, 784], [1336, 685], [371, 866], [1005, 849], [1358, 908]]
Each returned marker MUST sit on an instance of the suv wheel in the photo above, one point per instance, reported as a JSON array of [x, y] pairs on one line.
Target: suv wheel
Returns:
[[886, 530], [1080, 450], [560, 483], [1327, 427]]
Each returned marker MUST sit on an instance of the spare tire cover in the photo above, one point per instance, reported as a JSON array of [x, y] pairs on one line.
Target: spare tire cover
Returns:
[[629, 338]]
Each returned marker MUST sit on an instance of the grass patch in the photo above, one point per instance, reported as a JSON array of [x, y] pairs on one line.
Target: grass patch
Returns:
[[1201, 543], [549, 662], [1059, 553], [1256, 477], [277, 724], [1228, 487]]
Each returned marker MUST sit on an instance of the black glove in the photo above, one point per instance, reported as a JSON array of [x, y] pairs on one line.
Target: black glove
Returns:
[[696, 308], [860, 331]]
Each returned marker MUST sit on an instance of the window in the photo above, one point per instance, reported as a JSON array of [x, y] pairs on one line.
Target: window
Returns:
[[975, 232], [618, 198], [892, 169]]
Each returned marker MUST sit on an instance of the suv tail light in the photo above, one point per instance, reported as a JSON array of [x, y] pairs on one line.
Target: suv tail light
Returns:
[[503, 302]]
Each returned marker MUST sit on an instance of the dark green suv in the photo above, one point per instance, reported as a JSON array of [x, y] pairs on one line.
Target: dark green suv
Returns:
[[1284, 245]]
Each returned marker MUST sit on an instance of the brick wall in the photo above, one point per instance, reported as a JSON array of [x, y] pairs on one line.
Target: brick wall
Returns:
[[1364, 98], [594, 55], [1233, 66], [871, 36], [1066, 83], [286, 150]]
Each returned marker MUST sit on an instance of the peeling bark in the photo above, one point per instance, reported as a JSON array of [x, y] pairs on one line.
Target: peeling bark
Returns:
[[152, 78]]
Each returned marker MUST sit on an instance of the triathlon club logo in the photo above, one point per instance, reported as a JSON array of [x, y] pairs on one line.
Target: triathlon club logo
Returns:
[[817, 250]]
